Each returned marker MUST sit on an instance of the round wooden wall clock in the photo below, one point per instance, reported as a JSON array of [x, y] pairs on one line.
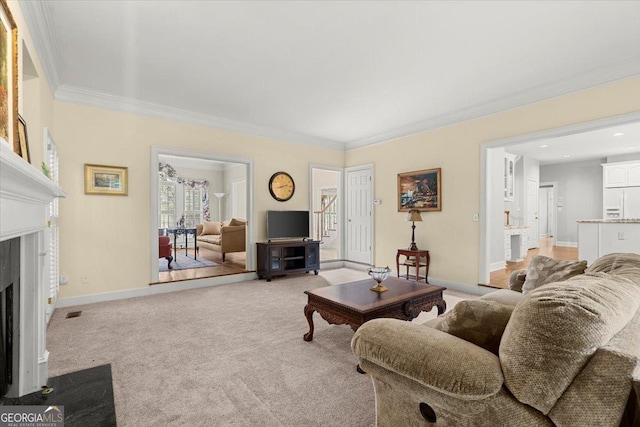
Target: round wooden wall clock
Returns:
[[281, 186]]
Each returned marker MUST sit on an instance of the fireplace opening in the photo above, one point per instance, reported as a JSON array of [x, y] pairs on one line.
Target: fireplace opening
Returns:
[[9, 313]]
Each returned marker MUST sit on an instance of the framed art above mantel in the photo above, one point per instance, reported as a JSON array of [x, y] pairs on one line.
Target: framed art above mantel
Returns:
[[9, 79], [420, 190]]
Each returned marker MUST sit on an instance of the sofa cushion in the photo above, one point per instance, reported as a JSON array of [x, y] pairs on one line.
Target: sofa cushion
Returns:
[[556, 328], [477, 321], [503, 296], [210, 238], [236, 221], [620, 264], [543, 270], [211, 227]]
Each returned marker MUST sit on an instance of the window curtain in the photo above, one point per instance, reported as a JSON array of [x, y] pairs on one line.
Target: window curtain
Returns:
[[191, 183]]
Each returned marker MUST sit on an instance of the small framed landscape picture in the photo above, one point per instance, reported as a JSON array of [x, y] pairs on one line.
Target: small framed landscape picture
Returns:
[[420, 190], [109, 180]]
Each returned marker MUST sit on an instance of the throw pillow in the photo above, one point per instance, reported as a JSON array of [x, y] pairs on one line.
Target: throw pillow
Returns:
[[544, 270], [235, 221], [478, 322], [211, 227]]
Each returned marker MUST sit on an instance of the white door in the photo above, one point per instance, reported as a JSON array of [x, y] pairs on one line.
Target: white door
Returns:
[[239, 198], [532, 213], [359, 215], [544, 210]]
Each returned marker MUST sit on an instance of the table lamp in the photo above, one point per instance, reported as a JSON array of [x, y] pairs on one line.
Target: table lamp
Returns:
[[413, 216]]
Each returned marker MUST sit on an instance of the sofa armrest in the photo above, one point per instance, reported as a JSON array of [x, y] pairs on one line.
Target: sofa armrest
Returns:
[[435, 359], [516, 280], [199, 228], [232, 238]]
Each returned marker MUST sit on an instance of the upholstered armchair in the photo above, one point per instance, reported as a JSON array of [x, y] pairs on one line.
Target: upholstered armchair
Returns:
[[564, 354], [164, 248]]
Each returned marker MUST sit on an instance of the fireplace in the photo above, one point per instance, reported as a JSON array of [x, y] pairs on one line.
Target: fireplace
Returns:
[[25, 194]]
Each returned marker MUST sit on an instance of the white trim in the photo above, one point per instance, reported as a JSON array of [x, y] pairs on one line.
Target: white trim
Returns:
[[504, 142], [156, 289], [460, 287], [80, 95], [497, 266], [44, 41], [331, 265], [341, 199], [568, 244], [554, 225], [156, 151]]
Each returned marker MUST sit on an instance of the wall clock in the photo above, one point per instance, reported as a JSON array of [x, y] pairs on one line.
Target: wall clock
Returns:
[[281, 186]]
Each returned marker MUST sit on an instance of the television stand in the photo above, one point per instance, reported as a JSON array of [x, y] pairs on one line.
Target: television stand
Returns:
[[287, 257]]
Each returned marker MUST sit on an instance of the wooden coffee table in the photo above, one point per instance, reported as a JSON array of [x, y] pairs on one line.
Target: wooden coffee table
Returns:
[[353, 303]]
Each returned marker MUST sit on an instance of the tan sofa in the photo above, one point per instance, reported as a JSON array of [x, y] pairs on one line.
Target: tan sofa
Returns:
[[224, 237], [566, 353]]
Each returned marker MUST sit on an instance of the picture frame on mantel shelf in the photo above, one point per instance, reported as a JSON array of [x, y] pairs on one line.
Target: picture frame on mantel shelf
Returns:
[[420, 190], [9, 79], [106, 180], [24, 139]]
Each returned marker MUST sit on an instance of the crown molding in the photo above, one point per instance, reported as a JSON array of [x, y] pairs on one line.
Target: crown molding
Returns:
[[536, 94], [44, 41], [80, 95]]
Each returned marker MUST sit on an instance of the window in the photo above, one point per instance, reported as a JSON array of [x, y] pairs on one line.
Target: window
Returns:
[[192, 206], [167, 202]]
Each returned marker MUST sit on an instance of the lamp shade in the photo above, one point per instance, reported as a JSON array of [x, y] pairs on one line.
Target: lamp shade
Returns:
[[414, 216], [219, 195]]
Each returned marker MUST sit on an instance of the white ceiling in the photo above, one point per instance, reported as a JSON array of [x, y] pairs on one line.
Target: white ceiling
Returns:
[[341, 74]]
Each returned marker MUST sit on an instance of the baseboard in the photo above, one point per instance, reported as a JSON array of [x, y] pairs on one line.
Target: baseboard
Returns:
[[155, 289], [331, 265], [497, 265], [357, 265], [469, 289], [569, 244]]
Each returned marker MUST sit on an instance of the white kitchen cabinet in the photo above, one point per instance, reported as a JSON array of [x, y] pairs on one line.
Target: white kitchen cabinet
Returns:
[[621, 174], [598, 237]]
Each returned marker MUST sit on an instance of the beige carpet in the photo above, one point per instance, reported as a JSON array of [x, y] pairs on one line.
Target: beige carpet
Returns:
[[229, 355]]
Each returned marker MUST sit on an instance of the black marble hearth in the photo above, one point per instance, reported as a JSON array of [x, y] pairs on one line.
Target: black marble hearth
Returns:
[[87, 397]]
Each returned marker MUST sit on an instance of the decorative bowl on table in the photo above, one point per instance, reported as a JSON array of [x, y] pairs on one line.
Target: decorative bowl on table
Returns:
[[379, 274]]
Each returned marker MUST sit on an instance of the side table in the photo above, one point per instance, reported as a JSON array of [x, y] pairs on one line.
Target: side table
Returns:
[[414, 259]]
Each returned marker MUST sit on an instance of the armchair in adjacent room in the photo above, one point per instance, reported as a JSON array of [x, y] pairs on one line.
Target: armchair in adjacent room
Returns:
[[164, 248]]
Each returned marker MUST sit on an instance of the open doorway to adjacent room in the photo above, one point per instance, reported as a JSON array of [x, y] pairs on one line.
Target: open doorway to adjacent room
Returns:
[[327, 207], [200, 206]]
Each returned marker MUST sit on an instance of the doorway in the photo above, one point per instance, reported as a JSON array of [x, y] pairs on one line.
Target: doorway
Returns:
[[198, 187], [327, 207], [547, 208]]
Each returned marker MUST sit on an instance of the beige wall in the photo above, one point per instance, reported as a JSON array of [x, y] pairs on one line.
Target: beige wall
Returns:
[[451, 236], [107, 237]]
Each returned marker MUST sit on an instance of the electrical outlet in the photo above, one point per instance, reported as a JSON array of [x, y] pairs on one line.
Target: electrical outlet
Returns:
[[476, 217], [620, 236], [84, 278], [63, 280]]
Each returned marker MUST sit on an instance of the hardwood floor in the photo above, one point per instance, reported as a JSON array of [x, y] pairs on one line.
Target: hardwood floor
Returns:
[[234, 263], [500, 278]]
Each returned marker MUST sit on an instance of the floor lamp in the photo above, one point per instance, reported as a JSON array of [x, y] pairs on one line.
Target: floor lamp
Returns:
[[219, 196]]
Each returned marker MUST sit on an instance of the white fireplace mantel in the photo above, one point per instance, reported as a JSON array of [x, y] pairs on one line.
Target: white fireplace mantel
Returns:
[[25, 194]]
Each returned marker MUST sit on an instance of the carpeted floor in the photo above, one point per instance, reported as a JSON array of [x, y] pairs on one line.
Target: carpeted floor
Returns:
[[229, 355], [183, 262]]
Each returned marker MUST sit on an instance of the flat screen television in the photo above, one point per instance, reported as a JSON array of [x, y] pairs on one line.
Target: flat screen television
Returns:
[[287, 224]]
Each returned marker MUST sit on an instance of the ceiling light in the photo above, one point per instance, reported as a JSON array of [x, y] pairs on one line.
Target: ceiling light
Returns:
[[544, 146], [618, 134], [566, 155]]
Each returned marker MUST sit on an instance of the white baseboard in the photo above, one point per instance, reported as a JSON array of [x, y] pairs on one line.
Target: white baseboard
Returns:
[[331, 265], [357, 265], [469, 289], [155, 289], [569, 244], [497, 265]]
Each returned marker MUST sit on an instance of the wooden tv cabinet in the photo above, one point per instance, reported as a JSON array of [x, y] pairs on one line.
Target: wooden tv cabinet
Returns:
[[279, 258]]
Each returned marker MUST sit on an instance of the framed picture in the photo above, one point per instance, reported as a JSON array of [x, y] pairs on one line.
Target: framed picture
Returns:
[[420, 190], [24, 140], [110, 180], [8, 78]]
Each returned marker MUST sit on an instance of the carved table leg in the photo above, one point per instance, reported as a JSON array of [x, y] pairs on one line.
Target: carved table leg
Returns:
[[308, 312], [442, 306]]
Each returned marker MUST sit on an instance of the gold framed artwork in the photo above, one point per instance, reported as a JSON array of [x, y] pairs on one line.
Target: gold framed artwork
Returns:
[[24, 140], [107, 180], [420, 190], [9, 78]]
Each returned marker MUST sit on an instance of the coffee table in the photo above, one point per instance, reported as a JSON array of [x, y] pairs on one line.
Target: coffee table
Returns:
[[353, 303]]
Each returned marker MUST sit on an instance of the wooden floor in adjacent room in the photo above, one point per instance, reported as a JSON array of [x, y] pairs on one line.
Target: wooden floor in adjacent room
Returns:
[[234, 263], [500, 278]]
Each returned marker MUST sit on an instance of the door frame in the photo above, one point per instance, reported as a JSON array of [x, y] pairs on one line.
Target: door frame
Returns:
[[553, 185], [370, 167], [486, 196], [156, 151], [536, 241], [341, 205]]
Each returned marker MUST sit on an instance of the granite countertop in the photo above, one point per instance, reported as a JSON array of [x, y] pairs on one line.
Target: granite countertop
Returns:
[[613, 221]]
